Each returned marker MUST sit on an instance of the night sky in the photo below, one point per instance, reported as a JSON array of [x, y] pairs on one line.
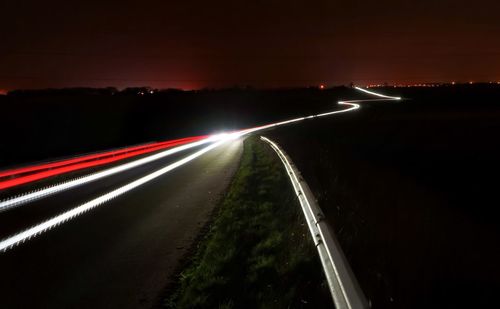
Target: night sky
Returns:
[[195, 44]]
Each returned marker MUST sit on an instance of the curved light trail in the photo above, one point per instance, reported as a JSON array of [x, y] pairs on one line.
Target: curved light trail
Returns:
[[214, 140], [377, 94]]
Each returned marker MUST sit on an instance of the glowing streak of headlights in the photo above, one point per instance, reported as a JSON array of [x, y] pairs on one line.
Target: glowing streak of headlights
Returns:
[[68, 215], [377, 94], [35, 195]]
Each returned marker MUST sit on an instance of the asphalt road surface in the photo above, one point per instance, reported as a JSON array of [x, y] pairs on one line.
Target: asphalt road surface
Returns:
[[119, 255]]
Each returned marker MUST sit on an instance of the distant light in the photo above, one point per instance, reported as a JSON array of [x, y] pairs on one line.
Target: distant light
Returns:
[[151, 91], [453, 83], [321, 86], [224, 136], [471, 82]]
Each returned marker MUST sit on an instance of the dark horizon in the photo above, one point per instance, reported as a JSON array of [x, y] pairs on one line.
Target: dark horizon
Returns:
[[243, 87]]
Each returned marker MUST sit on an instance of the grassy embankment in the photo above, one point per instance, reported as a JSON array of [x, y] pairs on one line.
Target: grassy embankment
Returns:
[[258, 252]]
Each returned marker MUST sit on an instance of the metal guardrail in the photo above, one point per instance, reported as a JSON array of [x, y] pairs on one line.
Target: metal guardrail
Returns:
[[342, 283]]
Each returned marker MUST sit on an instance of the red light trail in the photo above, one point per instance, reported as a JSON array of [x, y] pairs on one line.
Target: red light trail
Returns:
[[70, 165]]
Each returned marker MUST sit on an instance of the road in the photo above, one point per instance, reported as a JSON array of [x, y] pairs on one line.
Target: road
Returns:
[[135, 223], [122, 254]]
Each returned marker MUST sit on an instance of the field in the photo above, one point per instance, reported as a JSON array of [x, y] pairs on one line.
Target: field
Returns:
[[411, 190]]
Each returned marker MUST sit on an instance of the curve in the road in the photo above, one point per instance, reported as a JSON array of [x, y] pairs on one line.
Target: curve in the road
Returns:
[[214, 140]]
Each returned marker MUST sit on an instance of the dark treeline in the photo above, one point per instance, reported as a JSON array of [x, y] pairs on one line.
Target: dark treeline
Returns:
[[41, 125]]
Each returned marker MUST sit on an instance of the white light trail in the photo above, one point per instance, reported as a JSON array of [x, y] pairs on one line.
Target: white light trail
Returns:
[[377, 94], [70, 214], [44, 192], [351, 103]]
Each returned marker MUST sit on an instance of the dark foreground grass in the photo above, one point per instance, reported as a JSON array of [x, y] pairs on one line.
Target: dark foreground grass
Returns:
[[258, 252]]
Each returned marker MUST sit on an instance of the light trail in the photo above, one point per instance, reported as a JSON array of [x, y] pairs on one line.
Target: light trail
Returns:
[[377, 94], [50, 190], [70, 214], [38, 167], [98, 160], [215, 140]]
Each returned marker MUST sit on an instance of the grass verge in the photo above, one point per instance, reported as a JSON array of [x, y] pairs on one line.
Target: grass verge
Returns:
[[258, 252]]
